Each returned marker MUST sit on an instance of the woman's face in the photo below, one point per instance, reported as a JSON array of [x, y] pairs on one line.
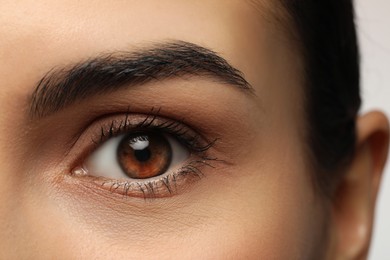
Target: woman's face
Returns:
[[223, 177]]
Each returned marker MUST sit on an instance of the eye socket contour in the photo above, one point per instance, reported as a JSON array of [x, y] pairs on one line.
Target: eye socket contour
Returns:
[[140, 155]]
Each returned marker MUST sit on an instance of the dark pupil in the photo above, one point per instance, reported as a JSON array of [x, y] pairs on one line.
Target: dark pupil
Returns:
[[140, 145], [142, 155]]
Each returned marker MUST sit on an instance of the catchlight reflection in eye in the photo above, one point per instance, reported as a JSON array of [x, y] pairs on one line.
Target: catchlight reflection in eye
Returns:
[[140, 155]]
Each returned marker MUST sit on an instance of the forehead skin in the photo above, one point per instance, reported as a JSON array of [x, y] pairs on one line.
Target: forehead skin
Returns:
[[262, 206]]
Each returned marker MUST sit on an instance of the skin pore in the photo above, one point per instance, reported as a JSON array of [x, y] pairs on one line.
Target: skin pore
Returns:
[[256, 200]]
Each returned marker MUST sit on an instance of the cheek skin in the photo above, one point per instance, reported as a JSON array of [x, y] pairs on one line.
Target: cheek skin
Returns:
[[269, 214], [263, 206]]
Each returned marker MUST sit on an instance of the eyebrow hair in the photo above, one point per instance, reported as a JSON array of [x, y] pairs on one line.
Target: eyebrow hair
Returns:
[[106, 73]]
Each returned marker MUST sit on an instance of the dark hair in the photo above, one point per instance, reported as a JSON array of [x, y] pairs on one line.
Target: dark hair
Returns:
[[327, 37]]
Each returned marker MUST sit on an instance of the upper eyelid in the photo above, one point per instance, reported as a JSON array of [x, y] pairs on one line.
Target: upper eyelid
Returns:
[[177, 128], [93, 131], [95, 120]]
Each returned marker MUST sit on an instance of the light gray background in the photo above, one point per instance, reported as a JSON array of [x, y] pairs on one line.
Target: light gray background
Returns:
[[373, 20]]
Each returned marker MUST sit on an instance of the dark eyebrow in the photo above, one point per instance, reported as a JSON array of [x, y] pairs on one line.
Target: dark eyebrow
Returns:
[[105, 73]]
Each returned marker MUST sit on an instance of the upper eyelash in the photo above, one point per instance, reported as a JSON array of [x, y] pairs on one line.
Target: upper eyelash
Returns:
[[196, 144], [176, 128]]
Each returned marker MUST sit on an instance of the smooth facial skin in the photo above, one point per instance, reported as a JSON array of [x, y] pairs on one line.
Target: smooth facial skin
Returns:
[[257, 201]]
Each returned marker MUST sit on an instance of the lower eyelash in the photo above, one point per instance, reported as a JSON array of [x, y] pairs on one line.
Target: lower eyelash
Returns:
[[164, 186]]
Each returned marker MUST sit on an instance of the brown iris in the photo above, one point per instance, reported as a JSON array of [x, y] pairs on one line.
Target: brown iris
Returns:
[[143, 156]]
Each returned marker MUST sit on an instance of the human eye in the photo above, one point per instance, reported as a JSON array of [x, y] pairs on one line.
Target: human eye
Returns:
[[147, 156]]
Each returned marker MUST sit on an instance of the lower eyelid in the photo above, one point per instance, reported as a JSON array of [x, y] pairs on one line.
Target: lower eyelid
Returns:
[[159, 187]]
